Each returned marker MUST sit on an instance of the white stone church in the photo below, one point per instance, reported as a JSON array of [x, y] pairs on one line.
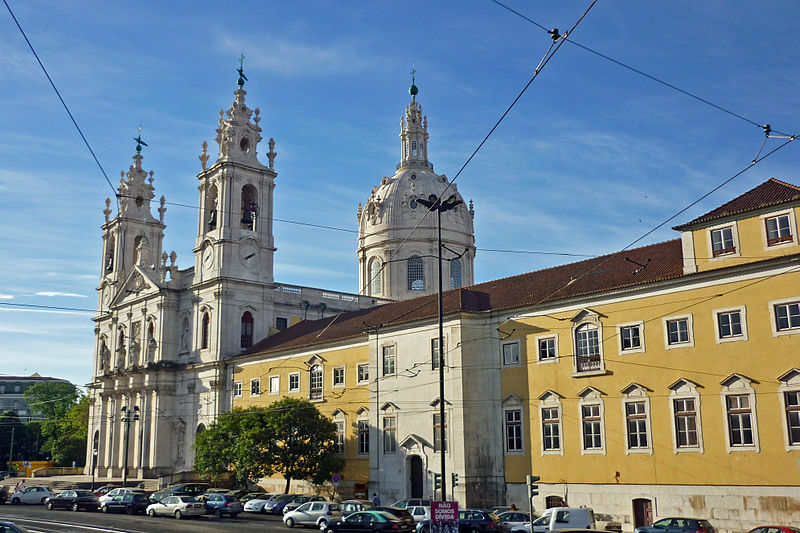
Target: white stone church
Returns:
[[163, 334]]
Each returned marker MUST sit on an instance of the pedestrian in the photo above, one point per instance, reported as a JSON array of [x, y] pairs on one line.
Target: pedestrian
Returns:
[[375, 500], [513, 507], [22, 485]]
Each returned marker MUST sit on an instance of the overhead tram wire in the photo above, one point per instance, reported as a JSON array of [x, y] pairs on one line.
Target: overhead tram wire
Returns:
[[642, 73], [63, 103]]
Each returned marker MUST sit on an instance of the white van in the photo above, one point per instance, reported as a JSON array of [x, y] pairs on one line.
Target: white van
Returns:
[[560, 518]]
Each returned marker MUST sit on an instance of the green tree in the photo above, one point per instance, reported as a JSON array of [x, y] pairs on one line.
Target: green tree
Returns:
[[72, 434], [50, 402], [24, 435], [303, 442]]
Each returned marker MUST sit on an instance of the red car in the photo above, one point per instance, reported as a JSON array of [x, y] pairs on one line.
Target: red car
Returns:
[[105, 489], [774, 529]]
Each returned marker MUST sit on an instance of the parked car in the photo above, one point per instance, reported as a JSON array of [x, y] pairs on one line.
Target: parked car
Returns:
[[74, 500], [300, 500], [35, 494], [605, 522], [130, 503], [185, 489], [221, 504], [105, 489], [240, 494], [774, 529], [677, 525], [419, 512], [177, 506], [276, 504], [497, 509], [315, 513], [374, 521], [470, 521], [398, 512], [119, 491], [402, 504], [512, 519], [10, 527], [258, 504], [246, 497], [353, 506], [556, 518]]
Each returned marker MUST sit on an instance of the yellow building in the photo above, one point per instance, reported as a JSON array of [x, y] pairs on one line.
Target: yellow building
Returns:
[[663, 380]]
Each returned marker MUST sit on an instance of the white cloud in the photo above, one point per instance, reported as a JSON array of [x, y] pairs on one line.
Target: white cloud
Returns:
[[6, 296], [58, 293]]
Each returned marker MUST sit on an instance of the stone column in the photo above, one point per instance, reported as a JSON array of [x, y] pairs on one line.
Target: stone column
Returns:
[[153, 432], [108, 422]]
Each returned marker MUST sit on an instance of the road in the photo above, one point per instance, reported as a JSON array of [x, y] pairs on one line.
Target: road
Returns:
[[37, 519]]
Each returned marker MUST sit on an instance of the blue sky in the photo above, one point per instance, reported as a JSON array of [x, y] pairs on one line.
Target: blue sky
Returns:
[[590, 158]]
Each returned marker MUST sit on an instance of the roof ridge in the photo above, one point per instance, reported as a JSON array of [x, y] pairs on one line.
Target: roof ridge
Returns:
[[785, 183]]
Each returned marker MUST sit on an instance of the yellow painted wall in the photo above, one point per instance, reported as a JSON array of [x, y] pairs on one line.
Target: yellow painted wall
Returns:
[[752, 242], [762, 358], [348, 399]]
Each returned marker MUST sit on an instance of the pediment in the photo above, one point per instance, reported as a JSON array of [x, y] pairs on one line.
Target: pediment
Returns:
[[435, 403], [790, 377], [337, 413], [635, 389], [512, 399], [590, 393], [737, 381], [389, 406], [550, 395], [586, 315], [684, 384], [139, 284], [414, 442], [362, 411], [315, 359]]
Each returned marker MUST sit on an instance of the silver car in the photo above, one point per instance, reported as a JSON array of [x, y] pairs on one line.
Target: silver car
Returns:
[[177, 506], [313, 514]]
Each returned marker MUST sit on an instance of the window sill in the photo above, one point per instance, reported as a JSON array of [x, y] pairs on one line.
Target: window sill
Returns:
[[589, 373]]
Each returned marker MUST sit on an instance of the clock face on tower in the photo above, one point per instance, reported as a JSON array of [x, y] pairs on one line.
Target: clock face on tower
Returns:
[[248, 253], [208, 257]]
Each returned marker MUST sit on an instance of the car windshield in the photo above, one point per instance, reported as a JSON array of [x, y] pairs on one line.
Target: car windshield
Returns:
[[543, 520], [84, 493], [283, 497]]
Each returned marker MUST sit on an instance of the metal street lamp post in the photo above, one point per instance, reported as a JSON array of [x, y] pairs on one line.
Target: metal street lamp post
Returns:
[[127, 414], [434, 203]]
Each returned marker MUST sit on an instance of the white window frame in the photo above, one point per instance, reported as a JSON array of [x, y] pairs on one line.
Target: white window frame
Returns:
[[734, 235], [790, 382], [740, 388], [792, 227], [518, 361], [383, 360], [521, 425], [385, 442], [363, 417], [437, 433], [295, 376], [550, 400], [742, 317], [311, 389], [690, 332], [358, 373], [436, 340], [237, 389], [637, 395], [641, 347], [252, 382], [549, 360], [684, 389], [591, 397], [339, 418], [274, 385], [333, 376], [773, 317]]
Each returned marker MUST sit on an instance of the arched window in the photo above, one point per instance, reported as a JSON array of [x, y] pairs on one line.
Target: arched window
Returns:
[[249, 207], [455, 273], [200, 428], [416, 274], [247, 329], [151, 342], [375, 283], [109, 266], [185, 335], [204, 331], [95, 448], [211, 208]]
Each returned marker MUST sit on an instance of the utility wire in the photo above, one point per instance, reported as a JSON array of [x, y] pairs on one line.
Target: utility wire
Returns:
[[63, 103]]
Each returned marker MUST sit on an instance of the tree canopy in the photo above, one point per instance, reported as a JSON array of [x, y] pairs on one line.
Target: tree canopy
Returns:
[[62, 415], [290, 437]]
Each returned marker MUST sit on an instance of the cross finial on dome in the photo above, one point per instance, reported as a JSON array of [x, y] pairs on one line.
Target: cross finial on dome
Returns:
[[413, 90], [139, 141], [240, 70]]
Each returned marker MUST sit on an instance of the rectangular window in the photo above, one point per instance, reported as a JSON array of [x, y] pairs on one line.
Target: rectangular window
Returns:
[[630, 338], [740, 423], [389, 434], [237, 389], [281, 323], [636, 424], [722, 241], [338, 376], [363, 437], [730, 324], [592, 427], [388, 361], [787, 316], [778, 230], [678, 331], [339, 442], [514, 430], [511, 353], [547, 349], [315, 383], [437, 433], [363, 372], [294, 382], [551, 429], [685, 423], [274, 384], [792, 402], [435, 353], [255, 387]]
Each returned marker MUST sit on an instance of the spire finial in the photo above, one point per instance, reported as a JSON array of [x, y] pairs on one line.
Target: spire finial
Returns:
[[139, 141], [413, 90], [240, 70]]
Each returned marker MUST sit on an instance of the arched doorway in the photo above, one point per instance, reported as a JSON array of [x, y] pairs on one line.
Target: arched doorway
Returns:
[[642, 512], [415, 468]]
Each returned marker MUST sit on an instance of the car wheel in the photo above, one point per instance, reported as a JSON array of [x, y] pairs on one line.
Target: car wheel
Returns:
[[75, 507], [264, 509], [104, 509], [475, 530], [178, 514], [323, 525], [289, 522], [50, 506], [151, 513], [43, 500], [424, 529], [129, 510], [217, 513]]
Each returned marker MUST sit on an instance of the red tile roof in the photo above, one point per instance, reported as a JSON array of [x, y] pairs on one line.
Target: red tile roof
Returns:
[[770, 193]]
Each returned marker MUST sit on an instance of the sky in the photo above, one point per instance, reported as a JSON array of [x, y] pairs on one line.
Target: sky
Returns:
[[592, 157]]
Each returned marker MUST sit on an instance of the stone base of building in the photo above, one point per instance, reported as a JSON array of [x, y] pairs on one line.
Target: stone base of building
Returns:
[[728, 508]]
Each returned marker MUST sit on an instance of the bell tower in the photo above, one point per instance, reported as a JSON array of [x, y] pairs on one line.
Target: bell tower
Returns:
[[234, 232]]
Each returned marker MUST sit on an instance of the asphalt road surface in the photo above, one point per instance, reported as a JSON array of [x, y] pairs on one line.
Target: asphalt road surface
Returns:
[[37, 519]]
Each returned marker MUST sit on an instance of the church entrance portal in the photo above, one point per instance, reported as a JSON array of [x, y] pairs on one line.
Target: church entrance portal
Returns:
[[415, 464]]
